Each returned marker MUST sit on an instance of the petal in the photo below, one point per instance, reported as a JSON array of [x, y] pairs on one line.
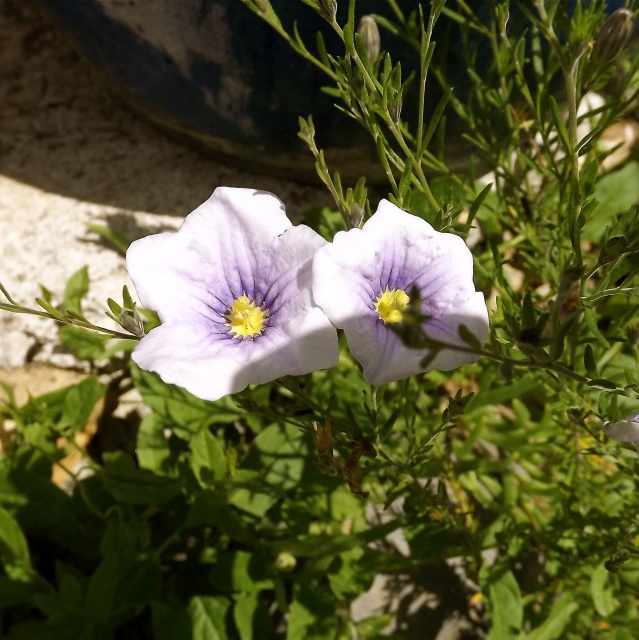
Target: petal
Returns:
[[626, 430], [212, 259], [193, 276], [210, 370], [398, 250]]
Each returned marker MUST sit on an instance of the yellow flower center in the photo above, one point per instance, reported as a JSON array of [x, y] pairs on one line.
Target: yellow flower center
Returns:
[[245, 318], [390, 305]]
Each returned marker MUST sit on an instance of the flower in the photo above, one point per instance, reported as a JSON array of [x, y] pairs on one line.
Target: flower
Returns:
[[232, 289], [625, 430], [363, 280]]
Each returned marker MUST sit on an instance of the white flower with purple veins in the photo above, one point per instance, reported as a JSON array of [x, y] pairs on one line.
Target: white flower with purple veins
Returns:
[[232, 289], [625, 430], [363, 280]]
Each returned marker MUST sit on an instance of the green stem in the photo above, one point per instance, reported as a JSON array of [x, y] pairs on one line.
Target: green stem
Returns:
[[15, 308]]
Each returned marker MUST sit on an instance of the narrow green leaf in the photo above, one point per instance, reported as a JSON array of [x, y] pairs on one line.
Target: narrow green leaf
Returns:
[[528, 312], [405, 180], [590, 364], [468, 337], [55, 313], [119, 241], [560, 125], [321, 50], [600, 383], [127, 299], [591, 323]]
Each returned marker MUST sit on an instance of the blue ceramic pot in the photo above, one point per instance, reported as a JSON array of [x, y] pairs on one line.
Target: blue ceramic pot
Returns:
[[212, 72]]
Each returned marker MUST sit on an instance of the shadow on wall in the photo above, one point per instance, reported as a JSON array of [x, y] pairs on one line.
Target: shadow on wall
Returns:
[[64, 133]]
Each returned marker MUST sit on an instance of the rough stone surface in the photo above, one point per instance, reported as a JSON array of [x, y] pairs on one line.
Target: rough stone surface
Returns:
[[71, 154]]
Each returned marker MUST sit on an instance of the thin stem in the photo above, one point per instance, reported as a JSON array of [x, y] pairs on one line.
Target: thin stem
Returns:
[[424, 64], [570, 75], [528, 362], [16, 308]]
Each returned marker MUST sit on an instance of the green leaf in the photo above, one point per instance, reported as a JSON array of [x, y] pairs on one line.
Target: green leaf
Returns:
[[76, 289], [130, 485], [183, 411], [560, 125], [120, 242], [242, 571], [101, 590], [152, 447], [312, 615], [252, 618], [171, 621], [207, 458], [79, 402], [616, 192], [120, 537], [468, 337], [140, 584], [313, 546], [591, 322], [602, 592], [86, 344], [49, 513], [279, 453], [208, 617], [590, 364], [507, 611], [14, 592], [205, 508], [63, 629], [13, 544], [601, 383], [348, 576], [554, 625]]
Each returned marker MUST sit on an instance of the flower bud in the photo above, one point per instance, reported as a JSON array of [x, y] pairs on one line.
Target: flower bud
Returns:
[[613, 37], [285, 562], [329, 7], [355, 214], [130, 320], [395, 104], [369, 32]]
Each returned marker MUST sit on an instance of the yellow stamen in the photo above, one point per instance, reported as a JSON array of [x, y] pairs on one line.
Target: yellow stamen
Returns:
[[390, 305], [245, 318]]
